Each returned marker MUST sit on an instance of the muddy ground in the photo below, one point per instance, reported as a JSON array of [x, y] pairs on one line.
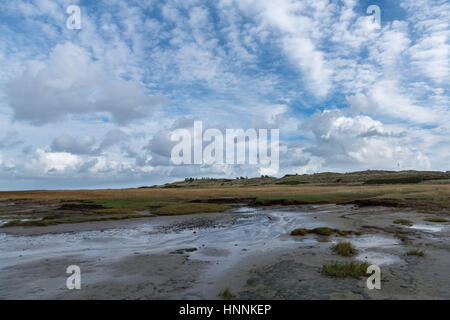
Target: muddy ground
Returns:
[[248, 250]]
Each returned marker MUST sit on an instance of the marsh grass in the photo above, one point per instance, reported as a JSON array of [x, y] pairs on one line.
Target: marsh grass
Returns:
[[299, 232], [79, 210], [407, 180], [189, 208], [433, 219], [227, 294], [415, 252], [345, 249], [50, 221], [122, 203], [438, 193], [328, 197], [158, 206], [347, 269], [404, 222], [323, 231], [131, 202]]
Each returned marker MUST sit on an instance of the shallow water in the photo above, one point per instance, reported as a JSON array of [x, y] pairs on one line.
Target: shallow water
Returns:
[[252, 229], [428, 228], [6, 220], [371, 246]]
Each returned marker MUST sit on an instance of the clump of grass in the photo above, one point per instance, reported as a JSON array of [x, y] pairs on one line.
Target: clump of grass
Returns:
[[13, 223], [395, 180], [347, 232], [20, 223], [189, 208], [227, 294], [345, 249], [415, 252], [323, 231], [403, 222], [132, 204], [435, 219], [299, 232], [291, 182], [50, 221], [344, 270], [327, 197]]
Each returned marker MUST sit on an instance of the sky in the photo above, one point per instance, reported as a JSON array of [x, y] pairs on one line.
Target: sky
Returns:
[[95, 107]]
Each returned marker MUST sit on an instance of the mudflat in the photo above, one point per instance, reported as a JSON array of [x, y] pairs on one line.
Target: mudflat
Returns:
[[246, 249]]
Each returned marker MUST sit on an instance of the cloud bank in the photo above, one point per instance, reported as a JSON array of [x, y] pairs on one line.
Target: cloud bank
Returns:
[[95, 107]]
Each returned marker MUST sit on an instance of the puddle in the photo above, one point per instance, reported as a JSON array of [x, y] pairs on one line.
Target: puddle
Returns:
[[428, 228], [244, 210], [371, 248], [379, 258], [5, 221], [371, 241]]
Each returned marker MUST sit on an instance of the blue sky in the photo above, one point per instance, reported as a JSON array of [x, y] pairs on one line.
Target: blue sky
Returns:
[[95, 107]]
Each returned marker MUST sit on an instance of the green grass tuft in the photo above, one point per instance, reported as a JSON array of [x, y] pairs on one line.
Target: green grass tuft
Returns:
[[415, 252], [344, 270], [345, 249], [403, 222], [323, 231], [435, 219], [227, 294], [299, 232]]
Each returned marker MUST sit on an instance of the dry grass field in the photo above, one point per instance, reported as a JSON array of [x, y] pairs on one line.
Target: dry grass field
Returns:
[[433, 193]]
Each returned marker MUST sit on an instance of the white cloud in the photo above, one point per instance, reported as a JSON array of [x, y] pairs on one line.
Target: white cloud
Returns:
[[386, 99], [431, 52], [53, 162], [72, 83], [431, 57], [297, 37], [361, 141]]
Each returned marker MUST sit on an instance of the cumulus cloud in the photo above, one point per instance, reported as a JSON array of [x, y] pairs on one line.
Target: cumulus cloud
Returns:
[[74, 145], [71, 82], [386, 99], [53, 162], [86, 145], [430, 53], [360, 140], [10, 140], [113, 137]]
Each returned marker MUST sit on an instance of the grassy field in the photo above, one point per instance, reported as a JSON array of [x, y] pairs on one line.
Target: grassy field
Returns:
[[307, 193], [67, 206], [435, 195]]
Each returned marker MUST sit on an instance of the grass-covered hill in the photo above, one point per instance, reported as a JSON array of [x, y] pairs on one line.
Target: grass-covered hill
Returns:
[[369, 177]]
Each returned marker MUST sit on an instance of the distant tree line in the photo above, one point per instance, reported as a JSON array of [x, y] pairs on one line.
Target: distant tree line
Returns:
[[191, 179]]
